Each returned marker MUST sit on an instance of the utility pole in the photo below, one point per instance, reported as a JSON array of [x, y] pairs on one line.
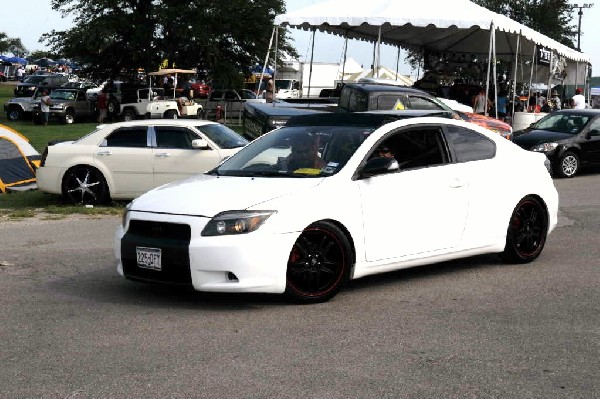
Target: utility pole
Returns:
[[580, 7]]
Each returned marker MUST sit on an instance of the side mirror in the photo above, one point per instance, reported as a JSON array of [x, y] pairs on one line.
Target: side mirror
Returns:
[[593, 132], [200, 144], [379, 165]]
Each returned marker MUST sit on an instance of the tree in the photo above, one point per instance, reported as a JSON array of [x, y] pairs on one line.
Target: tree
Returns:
[[549, 17], [12, 45], [223, 37]]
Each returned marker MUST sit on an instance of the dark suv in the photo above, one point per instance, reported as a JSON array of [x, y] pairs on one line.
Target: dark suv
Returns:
[[29, 84]]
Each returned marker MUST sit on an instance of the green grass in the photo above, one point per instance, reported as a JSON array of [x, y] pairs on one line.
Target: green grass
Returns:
[[29, 203]]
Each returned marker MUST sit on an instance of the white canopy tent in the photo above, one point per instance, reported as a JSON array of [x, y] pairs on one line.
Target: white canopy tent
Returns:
[[453, 26]]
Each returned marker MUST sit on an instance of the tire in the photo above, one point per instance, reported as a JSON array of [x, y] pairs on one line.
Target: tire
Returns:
[[69, 118], [84, 185], [319, 264], [171, 114], [527, 231], [568, 165], [13, 114], [111, 107], [128, 115], [200, 114]]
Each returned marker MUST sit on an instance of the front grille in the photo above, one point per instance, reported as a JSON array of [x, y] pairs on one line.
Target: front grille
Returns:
[[173, 239]]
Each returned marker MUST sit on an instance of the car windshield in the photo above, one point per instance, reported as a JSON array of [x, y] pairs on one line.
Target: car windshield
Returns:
[[63, 95], [562, 123], [222, 136], [297, 151], [35, 79]]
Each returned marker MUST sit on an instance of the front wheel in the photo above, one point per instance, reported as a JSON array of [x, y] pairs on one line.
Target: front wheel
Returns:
[[128, 115], [13, 114], [319, 264], [85, 185], [69, 118], [200, 114], [527, 231], [568, 164], [171, 114]]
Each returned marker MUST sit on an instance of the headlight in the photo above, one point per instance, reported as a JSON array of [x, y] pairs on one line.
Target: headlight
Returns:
[[545, 147], [235, 222], [125, 217]]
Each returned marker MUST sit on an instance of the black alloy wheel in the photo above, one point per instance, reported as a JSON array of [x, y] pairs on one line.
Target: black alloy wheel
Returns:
[[527, 231], [128, 115], [568, 164], [319, 264], [85, 185], [13, 114], [171, 114]]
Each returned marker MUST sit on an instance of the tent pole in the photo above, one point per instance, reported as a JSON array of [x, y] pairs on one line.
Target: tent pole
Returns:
[[374, 61], [531, 76], [378, 50], [275, 63], [487, 82], [345, 54], [549, 76], [495, 74], [397, 62], [312, 53], [262, 74], [512, 113]]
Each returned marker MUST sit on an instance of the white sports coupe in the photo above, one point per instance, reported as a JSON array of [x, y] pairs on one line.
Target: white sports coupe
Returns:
[[332, 197], [123, 160]]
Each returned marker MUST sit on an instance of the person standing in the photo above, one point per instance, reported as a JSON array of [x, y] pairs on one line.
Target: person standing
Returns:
[[45, 104], [556, 102], [501, 103], [481, 103], [269, 92], [102, 105], [578, 99], [20, 73]]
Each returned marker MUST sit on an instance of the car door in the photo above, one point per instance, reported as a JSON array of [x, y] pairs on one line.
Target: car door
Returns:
[[420, 208], [590, 143], [174, 157], [127, 155]]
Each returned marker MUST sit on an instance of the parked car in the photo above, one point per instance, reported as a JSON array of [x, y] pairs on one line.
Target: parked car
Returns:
[[30, 83], [3, 77], [68, 105], [323, 202], [80, 85], [22, 107], [228, 103], [125, 159], [570, 139], [201, 90]]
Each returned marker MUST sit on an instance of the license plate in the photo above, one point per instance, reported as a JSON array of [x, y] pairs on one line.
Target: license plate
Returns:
[[148, 258]]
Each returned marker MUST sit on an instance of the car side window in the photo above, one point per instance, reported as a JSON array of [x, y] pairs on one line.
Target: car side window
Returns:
[[395, 102], [416, 148], [595, 125], [469, 145], [127, 137], [174, 137], [417, 102]]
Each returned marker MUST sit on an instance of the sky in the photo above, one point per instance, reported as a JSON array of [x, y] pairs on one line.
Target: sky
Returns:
[[328, 48]]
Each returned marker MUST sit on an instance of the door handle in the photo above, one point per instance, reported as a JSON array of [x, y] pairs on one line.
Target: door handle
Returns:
[[104, 153], [457, 182], [162, 155]]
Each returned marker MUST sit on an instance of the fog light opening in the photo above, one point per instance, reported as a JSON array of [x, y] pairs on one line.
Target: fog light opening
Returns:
[[232, 277]]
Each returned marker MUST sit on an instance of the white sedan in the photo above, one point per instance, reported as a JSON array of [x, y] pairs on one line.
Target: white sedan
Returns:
[[124, 160], [330, 197]]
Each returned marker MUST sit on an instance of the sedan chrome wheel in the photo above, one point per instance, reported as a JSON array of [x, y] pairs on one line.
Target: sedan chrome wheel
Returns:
[[319, 263], [527, 231], [84, 185]]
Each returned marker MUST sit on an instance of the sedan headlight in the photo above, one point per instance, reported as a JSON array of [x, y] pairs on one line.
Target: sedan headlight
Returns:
[[544, 147], [235, 222]]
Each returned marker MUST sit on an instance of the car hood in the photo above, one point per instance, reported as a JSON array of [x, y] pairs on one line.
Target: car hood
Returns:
[[207, 195], [528, 139], [20, 100]]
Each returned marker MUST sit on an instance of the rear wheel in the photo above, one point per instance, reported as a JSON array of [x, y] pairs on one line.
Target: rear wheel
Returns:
[[568, 164], [85, 185], [319, 264], [200, 114], [69, 118], [527, 231]]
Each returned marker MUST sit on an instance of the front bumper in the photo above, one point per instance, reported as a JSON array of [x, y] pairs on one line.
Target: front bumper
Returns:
[[254, 262]]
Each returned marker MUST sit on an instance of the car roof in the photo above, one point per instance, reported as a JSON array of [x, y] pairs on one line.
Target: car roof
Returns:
[[375, 87], [162, 122], [582, 112], [368, 119]]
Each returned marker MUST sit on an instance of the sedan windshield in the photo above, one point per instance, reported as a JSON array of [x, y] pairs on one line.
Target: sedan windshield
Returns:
[[562, 123], [298, 151]]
